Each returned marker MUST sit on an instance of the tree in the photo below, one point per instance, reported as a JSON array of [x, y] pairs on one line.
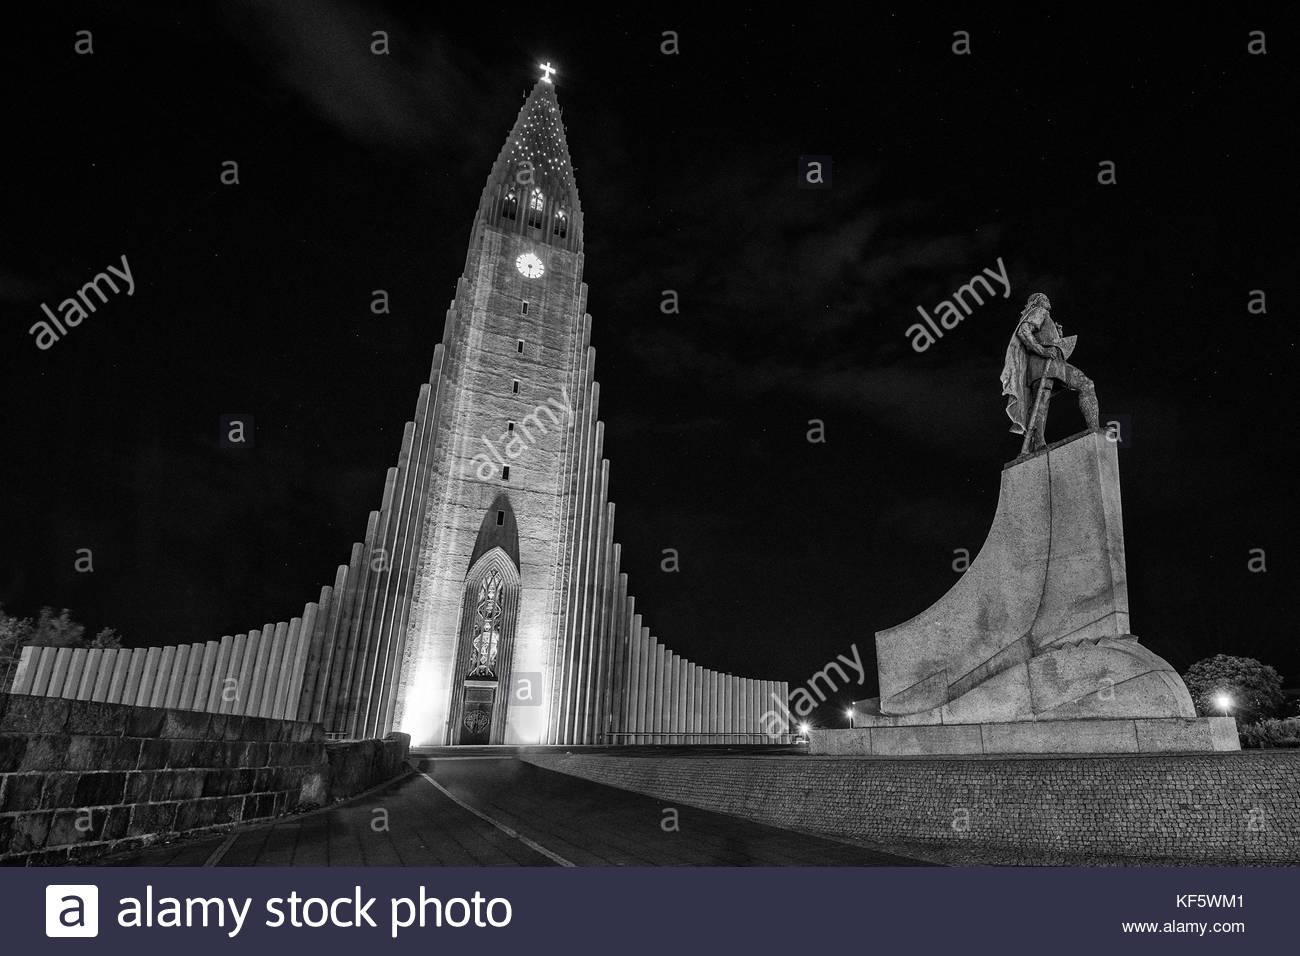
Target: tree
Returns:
[[1255, 689], [48, 630], [58, 630]]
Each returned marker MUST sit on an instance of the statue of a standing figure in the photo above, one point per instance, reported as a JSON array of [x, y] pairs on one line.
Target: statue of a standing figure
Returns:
[[1036, 359]]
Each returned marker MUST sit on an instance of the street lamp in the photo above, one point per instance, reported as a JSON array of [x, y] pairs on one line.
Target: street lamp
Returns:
[[1223, 700]]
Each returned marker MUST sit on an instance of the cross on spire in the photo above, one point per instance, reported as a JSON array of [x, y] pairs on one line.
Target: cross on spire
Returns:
[[547, 70]]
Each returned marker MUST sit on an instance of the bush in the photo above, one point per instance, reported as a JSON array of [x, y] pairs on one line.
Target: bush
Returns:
[[1272, 733]]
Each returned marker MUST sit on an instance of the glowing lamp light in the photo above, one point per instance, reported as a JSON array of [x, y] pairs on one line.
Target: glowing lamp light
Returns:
[[1223, 701], [849, 713], [804, 728]]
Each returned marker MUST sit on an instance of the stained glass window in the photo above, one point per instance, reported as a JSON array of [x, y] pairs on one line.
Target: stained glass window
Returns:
[[487, 627]]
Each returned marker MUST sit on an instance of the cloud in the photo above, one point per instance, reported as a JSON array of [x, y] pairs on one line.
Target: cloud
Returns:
[[420, 93]]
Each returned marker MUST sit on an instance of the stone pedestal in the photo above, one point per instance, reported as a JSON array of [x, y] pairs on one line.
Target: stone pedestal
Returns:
[[1030, 652]]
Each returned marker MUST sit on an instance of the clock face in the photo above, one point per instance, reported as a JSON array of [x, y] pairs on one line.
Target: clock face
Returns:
[[529, 265]]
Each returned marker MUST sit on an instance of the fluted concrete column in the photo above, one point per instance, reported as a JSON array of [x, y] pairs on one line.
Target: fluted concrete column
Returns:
[[148, 674], [670, 698], [247, 668], [23, 674], [409, 504], [679, 715], [766, 690], [302, 650], [600, 613], [707, 714], [651, 685], [697, 702], [190, 680], [615, 679], [104, 674], [261, 664], [598, 719], [662, 665], [59, 674], [206, 664], [162, 677], [277, 686], [317, 672], [344, 601], [134, 674], [734, 708], [358, 579], [643, 670], [592, 617], [94, 657], [228, 704], [76, 665], [42, 667], [742, 707], [581, 520], [426, 433], [724, 717], [688, 715], [176, 682], [220, 671], [751, 724], [117, 679], [370, 674], [634, 675], [656, 688], [278, 702], [378, 563]]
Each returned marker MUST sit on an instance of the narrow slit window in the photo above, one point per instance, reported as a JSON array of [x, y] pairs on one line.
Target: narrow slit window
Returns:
[[519, 347], [523, 307], [505, 474], [510, 426], [515, 387], [501, 517]]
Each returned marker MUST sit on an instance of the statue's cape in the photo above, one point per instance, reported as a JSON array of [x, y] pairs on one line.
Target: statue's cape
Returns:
[[1015, 384]]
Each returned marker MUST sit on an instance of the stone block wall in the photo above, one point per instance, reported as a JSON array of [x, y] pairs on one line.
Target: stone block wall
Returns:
[[82, 778], [358, 765], [1220, 808]]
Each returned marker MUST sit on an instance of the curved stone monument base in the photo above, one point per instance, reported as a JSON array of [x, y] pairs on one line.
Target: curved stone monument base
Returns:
[[1107, 678], [1030, 651], [1138, 735]]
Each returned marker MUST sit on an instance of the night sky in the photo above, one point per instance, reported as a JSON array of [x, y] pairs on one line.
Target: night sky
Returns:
[[359, 172]]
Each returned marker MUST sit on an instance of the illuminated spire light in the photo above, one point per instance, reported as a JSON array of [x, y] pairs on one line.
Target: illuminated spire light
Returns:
[[547, 70]]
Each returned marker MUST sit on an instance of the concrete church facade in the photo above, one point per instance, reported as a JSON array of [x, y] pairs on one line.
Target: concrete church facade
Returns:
[[486, 603]]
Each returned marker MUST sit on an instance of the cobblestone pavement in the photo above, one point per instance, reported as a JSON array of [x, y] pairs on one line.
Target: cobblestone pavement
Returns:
[[486, 808]]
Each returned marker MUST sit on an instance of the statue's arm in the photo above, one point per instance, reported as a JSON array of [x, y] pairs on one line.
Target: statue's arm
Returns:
[[1025, 333]]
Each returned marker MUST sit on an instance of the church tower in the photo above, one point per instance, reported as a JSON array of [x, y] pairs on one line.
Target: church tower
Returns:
[[489, 594], [485, 604]]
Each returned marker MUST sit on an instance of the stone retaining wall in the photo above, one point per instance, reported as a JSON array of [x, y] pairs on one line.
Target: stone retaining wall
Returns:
[[83, 778], [1227, 808], [358, 765]]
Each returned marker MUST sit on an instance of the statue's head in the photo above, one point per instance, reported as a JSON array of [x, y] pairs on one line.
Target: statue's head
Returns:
[[1039, 300]]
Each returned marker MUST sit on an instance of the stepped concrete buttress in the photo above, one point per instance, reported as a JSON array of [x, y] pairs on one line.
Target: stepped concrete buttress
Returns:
[[1031, 651]]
